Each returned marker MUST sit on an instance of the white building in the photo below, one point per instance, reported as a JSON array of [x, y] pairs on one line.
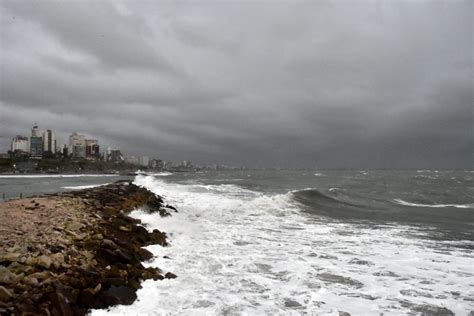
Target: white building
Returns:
[[34, 131], [77, 145], [144, 161], [49, 141], [21, 144], [132, 160]]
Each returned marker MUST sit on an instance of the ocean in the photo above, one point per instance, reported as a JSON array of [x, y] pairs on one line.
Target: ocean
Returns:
[[309, 243]]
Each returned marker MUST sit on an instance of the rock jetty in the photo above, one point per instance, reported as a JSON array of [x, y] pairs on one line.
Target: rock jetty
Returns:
[[66, 253]]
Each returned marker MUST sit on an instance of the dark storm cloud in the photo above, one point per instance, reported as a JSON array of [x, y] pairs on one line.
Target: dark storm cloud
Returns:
[[325, 84]]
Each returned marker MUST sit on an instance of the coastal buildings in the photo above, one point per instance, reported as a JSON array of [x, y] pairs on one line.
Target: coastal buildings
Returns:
[[77, 145], [80, 147], [39, 145], [132, 160], [92, 149], [20, 144], [114, 155], [36, 144], [49, 142], [34, 131], [65, 151], [143, 161], [157, 164]]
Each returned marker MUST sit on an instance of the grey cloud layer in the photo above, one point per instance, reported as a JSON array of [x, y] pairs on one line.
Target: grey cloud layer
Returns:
[[328, 84]]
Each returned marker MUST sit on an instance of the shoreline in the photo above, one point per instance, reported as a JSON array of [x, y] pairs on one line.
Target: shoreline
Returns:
[[69, 252]]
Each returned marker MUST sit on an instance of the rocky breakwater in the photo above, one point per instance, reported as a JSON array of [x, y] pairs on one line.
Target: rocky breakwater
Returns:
[[66, 253]]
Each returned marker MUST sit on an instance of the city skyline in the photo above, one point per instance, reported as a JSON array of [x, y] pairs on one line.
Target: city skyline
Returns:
[[322, 84], [39, 145]]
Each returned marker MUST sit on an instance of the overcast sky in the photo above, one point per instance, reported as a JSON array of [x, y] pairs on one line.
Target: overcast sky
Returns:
[[382, 84]]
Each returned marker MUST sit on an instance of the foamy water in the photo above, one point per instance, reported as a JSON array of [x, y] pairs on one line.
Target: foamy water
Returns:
[[82, 187], [402, 202], [238, 251]]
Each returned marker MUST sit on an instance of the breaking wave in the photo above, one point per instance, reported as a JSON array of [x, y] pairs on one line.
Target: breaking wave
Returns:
[[405, 203], [238, 251]]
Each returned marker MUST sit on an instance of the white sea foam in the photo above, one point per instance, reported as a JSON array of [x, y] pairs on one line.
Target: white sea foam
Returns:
[[81, 187], [318, 174], [13, 176], [255, 254], [161, 174], [405, 203]]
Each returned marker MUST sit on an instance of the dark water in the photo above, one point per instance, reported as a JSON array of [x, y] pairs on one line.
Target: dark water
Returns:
[[442, 202], [304, 242], [28, 185], [313, 243]]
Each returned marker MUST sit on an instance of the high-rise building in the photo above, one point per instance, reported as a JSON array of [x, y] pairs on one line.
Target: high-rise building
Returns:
[[157, 164], [92, 149], [34, 131], [20, 144], [49, 142], [132, 160], [36, 144], [114, 155], [65, 152], [77, 145], [144, 161]]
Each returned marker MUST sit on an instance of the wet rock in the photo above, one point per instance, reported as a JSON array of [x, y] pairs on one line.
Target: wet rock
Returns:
[[5, 294], [342, 313], [109, 244], [171, 207], [60, 304], [120, 295], [87, 297], [170, 275], [125, 229], [144, 255], [158, 238], [141, 234]]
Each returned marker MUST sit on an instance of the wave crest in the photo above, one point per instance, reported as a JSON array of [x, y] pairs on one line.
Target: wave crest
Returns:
[[405, 203]]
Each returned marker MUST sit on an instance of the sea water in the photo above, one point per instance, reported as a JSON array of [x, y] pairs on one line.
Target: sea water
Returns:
[[311, 242], [302, 242]]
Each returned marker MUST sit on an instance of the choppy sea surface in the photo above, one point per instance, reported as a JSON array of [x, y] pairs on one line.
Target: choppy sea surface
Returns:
[[310, 243]]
